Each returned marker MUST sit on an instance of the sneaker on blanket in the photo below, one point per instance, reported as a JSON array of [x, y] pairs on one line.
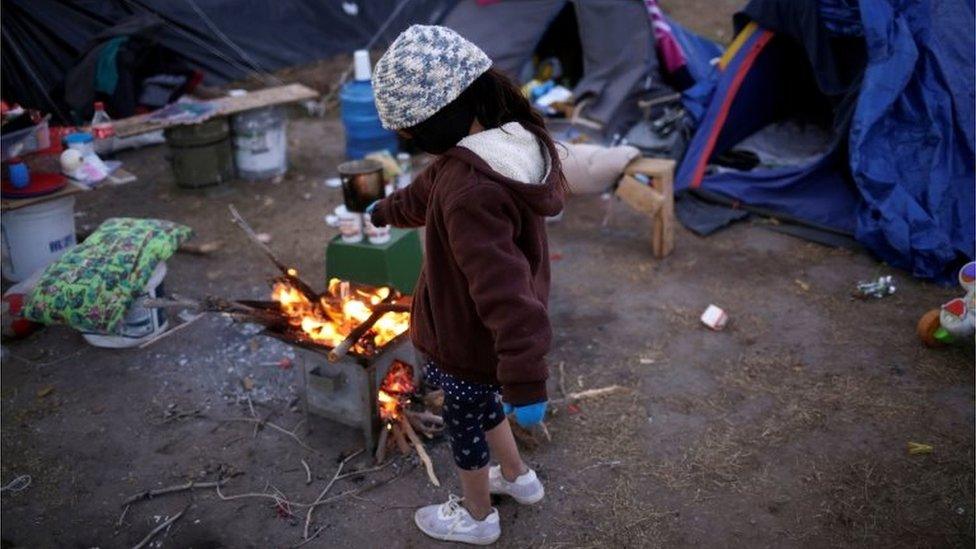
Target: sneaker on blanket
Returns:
[[450, 521], [526, 489]]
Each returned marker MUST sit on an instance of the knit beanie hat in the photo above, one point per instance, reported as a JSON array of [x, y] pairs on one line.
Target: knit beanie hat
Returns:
[[426, 68]]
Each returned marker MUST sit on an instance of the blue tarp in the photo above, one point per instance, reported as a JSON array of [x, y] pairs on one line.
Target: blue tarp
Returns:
[[911, 139], [900, 176]]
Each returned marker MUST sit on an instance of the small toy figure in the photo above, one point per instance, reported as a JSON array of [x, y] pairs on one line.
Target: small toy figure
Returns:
[[956, 319]]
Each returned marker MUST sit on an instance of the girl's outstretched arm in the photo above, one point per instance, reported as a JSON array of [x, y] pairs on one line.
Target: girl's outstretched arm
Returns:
[[407, 207]]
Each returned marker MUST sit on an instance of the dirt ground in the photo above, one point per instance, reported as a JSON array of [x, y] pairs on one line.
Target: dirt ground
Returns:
[[788, 429]]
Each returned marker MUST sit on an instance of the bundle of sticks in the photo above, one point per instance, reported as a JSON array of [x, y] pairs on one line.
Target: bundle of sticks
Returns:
[[401, 432]]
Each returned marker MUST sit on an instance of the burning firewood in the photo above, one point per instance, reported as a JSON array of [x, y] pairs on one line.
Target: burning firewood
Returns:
[[358, 332], [290, 273], [393, 399]]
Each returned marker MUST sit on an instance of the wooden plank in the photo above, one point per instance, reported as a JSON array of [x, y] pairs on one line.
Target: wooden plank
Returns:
[[279, 95], [659, 203], [8, 204], [653, 167], [639, 196], [665, 218]]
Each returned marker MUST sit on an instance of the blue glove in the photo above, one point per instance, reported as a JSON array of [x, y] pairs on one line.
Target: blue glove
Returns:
[[528, 415]]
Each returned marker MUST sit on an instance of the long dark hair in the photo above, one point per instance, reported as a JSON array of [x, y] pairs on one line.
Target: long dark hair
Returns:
[[493, 99], [498, 101]]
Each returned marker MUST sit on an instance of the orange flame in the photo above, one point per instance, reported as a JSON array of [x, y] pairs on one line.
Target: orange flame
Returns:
[[338, 311], [396, 388]]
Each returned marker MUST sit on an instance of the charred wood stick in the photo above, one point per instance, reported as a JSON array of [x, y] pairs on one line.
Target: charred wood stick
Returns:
[[285, 270], [380, 454], [399, 439], [342, 348], [426, 429], [172, 330], [264, 318], [239, 221], [425, 417], [205, 248], [421, 451]]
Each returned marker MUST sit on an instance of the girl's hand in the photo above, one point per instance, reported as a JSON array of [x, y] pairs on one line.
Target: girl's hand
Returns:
[[528, 415]]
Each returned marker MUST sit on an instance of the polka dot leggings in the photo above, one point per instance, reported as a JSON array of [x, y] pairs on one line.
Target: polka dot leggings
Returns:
[[470, 409]]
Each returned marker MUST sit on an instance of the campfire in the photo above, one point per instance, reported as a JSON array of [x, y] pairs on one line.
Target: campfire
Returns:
[[342, 311], [368, 381], [401, 422]]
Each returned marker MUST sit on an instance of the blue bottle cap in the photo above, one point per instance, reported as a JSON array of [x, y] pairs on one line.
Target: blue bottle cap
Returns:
[[77, 138]]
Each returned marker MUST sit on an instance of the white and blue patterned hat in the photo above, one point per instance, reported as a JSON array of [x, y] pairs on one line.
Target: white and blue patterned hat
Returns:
[[426, 68]]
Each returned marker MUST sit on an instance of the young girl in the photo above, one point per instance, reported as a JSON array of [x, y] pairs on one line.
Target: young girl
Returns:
[[479, 310]]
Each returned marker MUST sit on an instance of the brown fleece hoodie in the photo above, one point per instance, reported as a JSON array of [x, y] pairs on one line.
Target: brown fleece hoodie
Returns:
[[479, 309]]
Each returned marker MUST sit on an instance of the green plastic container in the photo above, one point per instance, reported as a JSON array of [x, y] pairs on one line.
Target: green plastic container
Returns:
[[395, 263], [201, 154]]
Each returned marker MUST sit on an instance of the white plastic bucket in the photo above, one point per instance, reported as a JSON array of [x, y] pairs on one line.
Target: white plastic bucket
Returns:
[[260, 143], [34, 236], [140, 324]]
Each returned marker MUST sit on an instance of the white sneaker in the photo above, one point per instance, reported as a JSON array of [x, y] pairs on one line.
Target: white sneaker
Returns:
[[526, 489], [450, 521]]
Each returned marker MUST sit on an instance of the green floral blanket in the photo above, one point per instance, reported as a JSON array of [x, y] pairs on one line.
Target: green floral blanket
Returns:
[[91, 286]]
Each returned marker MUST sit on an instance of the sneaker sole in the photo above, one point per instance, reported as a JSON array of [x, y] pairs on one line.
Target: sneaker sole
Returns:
[[457, 537]]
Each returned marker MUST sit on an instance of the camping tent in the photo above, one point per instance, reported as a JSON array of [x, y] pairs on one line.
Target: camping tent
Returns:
[[893, 84], [231, 39]]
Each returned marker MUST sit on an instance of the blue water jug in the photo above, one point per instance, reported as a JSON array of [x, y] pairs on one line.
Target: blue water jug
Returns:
[[364, 133]]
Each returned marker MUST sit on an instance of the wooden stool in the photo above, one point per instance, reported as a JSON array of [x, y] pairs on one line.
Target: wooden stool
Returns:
[[655, 200]]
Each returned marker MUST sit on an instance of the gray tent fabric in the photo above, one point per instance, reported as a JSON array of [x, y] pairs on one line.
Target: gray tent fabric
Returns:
[[619, 59], [524, 23]]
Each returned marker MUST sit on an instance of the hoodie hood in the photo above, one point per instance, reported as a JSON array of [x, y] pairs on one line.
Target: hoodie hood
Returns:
[[517, 157]]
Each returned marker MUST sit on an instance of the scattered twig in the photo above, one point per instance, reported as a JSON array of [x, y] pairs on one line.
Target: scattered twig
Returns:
[[601, 464], [277, 498], [172, 331], [364, 471], [118, 524], [335, 477], [545, 431], [279, 428], [562, 379], [381, 505], [192, 485], [589, 393], [18, 484], [308, 473], [310, 538], [361, 489], [169, 522], [50, 362]]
